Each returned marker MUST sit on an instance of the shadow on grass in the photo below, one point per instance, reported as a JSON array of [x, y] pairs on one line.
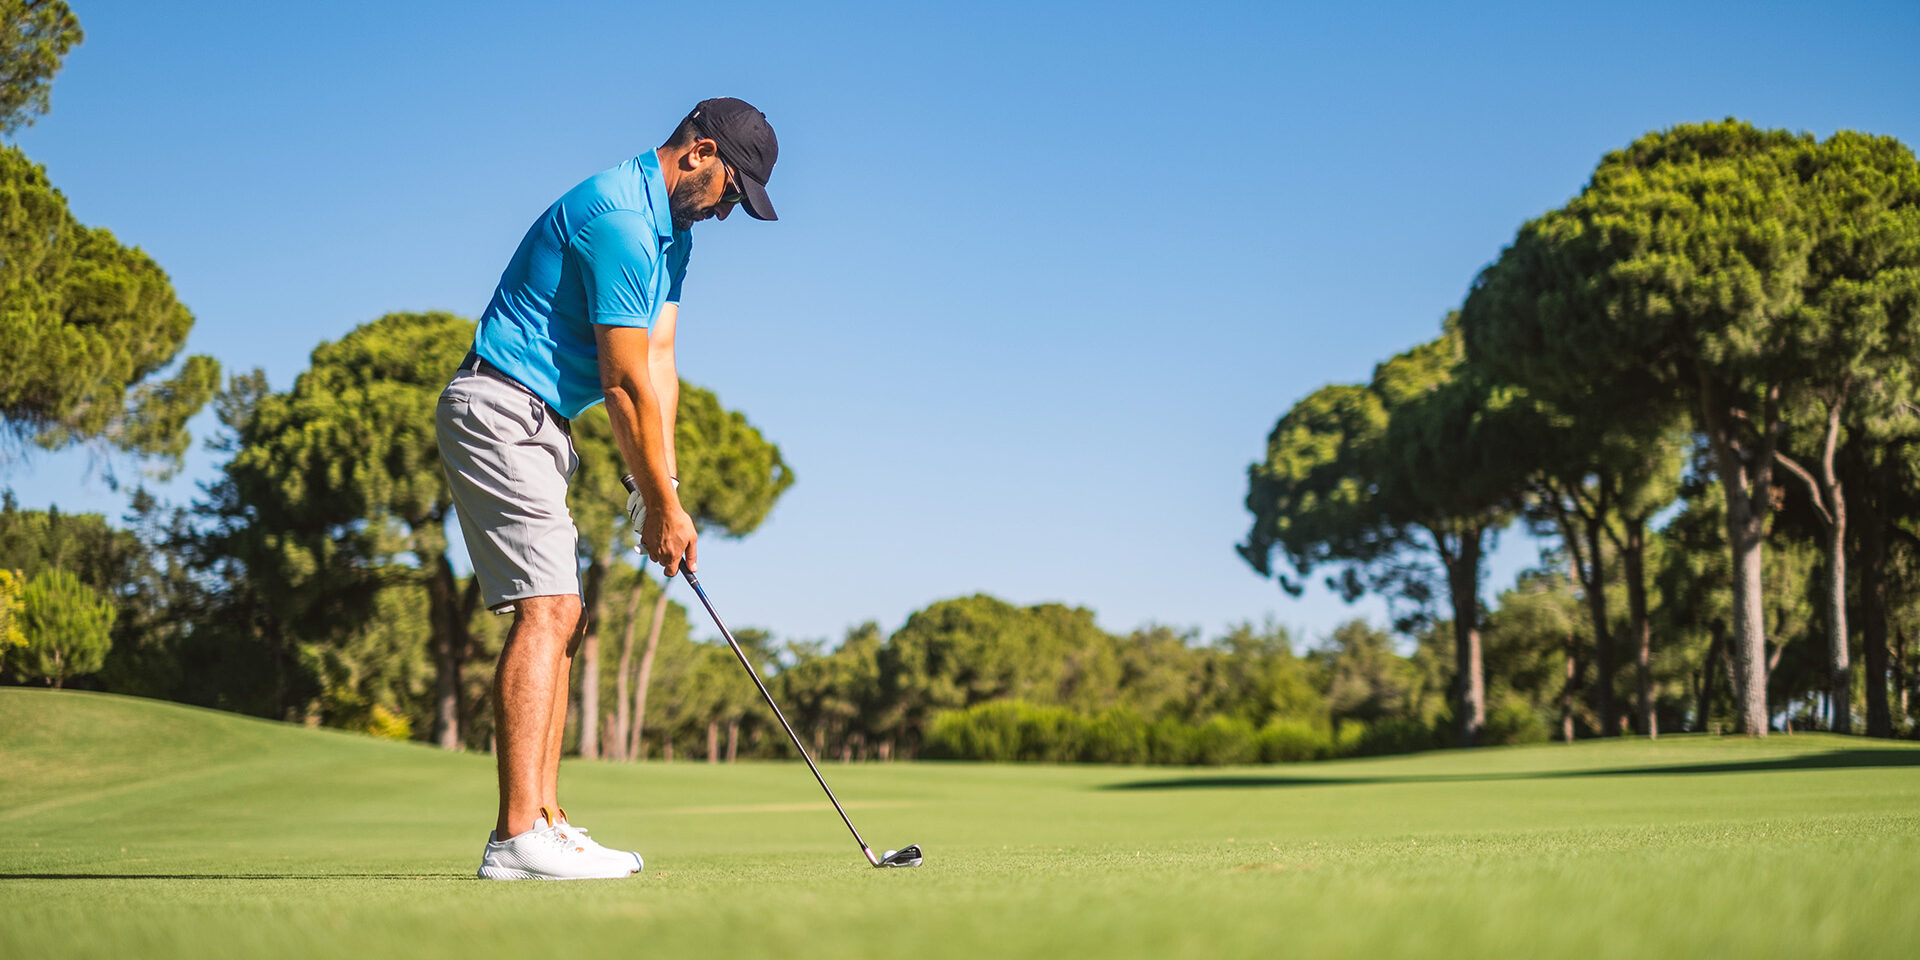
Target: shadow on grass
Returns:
[[1832, 760], [224, 876]]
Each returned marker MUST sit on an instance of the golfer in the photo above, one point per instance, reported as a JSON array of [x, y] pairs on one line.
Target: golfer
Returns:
[[585, 312]]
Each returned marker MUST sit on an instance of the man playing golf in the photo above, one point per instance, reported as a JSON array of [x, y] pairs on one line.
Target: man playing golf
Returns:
[[585, 312]]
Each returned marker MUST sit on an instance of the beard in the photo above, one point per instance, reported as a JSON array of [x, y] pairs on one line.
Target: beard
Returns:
[[686, 202]]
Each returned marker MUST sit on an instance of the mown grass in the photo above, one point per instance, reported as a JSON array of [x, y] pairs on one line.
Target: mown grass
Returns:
[[135, 829]]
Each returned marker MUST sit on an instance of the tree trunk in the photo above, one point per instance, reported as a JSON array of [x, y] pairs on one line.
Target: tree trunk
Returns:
[[452, 644], [646, 669], [1839, 657], [1633, 556], [1902, 681], [1603, 665], [590, 601], [733, 738], [1566, 693], [713, 741], [1584, 550], [1732, 671], [1716, 647], [1462, 561], [1747, 483], [1873, 596], [621, 705], [1830, 504]]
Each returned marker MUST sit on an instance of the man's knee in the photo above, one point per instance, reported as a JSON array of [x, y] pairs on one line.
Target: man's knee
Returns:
[[553, 620]]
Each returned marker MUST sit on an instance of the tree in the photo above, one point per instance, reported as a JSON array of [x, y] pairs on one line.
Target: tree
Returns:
[[12, 638], [1418, 462], [1742, 273], [1678, 270], [1856, 334], [336, 492], [35, 36], [1366, 680], [967, 650], [67, 627], [118, 565], [88, 322], [1530, 647], [834, 696]]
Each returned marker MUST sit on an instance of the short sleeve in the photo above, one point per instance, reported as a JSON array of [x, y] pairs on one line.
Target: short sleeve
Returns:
[[617, 257], [677, 258]]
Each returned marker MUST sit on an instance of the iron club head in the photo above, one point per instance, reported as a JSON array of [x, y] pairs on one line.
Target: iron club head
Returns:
[[907, 856]]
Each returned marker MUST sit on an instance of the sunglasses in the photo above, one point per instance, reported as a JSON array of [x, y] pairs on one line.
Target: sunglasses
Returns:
[[734, 193]]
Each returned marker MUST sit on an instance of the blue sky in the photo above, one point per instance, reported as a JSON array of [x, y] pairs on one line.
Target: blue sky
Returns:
[[1046, 274]]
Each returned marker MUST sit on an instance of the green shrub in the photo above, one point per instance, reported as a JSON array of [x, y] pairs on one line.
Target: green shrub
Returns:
[[1013, 731], [1225, 740], [986, 731], [1115, 735], [1395, 735], [1515, 721], [1294, 741], [1171, 742]]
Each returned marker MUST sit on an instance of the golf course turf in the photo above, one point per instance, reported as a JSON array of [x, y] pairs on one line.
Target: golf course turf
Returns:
[[136, 829]]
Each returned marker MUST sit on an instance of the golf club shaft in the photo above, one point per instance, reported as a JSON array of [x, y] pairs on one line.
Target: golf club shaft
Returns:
[[694, 582]]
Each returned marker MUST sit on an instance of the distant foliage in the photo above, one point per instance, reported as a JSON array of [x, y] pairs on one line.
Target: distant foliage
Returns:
[[67, 627], [12, 638], [1010, 731]]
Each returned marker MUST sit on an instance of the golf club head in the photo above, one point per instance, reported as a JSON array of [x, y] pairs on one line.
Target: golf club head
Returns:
[[907, 856]]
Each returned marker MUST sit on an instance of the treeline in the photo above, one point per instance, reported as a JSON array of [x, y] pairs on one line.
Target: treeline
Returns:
[[1696, 380], [1699, 378]]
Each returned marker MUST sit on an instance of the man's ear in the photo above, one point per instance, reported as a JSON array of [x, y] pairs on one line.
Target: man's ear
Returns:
[[697, 153]]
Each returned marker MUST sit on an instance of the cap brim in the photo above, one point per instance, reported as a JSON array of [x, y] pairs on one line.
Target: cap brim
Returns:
[[756, 202]]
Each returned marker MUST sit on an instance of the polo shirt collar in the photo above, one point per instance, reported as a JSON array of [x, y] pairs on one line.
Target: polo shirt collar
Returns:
[[657, 196]]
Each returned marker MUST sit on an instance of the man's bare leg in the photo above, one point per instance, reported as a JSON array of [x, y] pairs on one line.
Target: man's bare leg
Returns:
[[557, 726], [523, 704]]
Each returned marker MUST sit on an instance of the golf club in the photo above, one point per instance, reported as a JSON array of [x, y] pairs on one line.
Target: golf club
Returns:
[[908, 856]]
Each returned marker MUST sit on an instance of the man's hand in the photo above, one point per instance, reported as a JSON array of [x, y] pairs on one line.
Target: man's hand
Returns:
[[668, 536], [637, 517]]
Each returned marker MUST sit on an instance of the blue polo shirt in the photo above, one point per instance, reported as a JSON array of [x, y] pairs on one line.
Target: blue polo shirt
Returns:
[[604, 253]]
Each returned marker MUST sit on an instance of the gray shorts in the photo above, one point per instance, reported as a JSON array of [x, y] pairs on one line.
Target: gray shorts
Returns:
[[508, 460]]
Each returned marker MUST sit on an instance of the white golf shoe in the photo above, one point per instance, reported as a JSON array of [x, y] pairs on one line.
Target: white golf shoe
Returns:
[[547, 853], [579, 836]]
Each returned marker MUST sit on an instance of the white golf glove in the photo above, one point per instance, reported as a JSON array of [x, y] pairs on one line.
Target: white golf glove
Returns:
[[637, 510]]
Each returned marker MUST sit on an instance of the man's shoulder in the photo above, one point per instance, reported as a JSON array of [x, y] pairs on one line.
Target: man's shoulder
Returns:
[[621, 188]]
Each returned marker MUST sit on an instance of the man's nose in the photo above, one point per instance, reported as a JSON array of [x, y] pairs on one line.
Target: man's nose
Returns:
[[723, 210]]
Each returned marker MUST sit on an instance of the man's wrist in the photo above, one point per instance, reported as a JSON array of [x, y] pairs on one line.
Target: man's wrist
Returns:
[[657, 495]]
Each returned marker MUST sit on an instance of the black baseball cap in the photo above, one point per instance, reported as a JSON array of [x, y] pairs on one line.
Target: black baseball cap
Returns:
[[746, 143]]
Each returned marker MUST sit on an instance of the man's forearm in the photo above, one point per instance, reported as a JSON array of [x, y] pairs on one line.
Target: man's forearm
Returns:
[[665, 378], [640, 431]]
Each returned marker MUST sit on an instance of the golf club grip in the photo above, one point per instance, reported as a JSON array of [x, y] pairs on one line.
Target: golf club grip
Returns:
[[694, 582]]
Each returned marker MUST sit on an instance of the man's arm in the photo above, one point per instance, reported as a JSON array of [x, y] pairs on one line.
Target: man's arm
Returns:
[[665, 374], [642, 388]]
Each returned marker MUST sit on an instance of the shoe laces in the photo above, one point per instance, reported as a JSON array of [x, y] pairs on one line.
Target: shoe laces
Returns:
[[556, 830], [569, 830]]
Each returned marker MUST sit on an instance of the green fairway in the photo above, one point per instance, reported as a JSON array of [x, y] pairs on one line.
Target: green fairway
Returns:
[[136, 829]]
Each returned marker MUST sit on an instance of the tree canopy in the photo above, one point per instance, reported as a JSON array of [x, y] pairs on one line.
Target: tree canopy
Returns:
[[35, 36], [88, 322]]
